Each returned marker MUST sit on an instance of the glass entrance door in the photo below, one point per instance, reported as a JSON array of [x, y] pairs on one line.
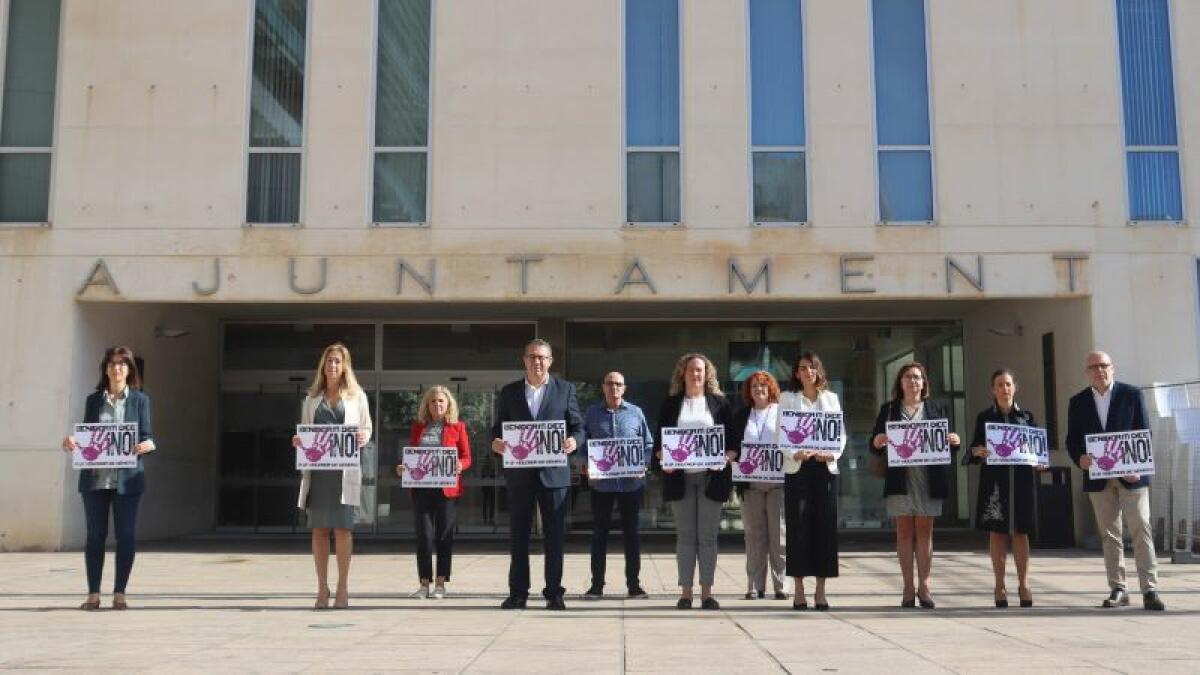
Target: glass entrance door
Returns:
[[481, 507]]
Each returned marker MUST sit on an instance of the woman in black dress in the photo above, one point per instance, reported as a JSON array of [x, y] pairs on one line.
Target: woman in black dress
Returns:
[[1004, 507]]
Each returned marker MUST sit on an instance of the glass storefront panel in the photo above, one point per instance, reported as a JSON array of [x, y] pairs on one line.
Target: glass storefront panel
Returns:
[[295, 346], [458, 346], [861, 362], [257, 480]]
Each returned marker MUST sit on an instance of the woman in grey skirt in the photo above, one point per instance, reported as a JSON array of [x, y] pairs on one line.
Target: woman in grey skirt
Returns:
[[330, 497], [913, 494]]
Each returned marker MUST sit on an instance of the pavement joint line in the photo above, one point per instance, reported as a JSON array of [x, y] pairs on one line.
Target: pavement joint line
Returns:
[[892, 642], [624, 644], [756, 643], [495, 638]]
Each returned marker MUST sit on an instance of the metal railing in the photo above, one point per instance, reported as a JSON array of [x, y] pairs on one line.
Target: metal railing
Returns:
[[1174, 412]]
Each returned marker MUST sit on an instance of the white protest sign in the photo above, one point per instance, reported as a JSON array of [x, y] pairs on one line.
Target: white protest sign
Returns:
[[327, 447], [616, 458], [813, 430], [693, 447], [759, 462], [1015, 444], [429, 467], [1121, 453], [105, 446], [534, 444], [921, 443]]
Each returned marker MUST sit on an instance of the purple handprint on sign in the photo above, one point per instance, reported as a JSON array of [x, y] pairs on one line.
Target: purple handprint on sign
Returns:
[[526, 443], [97, 444], [688, 442], [909, 443], [1010, 440], [609, 460], [800, 433], [424, 466], [1112, 450], [320, 445], [752, 459]]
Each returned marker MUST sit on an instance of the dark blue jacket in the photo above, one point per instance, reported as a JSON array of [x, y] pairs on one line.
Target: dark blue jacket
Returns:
[[137, 409], [895, 480], [558, 403], [1126, 412]]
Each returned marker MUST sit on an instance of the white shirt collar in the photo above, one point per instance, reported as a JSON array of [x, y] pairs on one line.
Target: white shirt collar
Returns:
[[120, 397]]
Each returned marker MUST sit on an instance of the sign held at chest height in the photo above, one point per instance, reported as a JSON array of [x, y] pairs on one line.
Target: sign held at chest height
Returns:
[[1121, 453], [693, 447], [759, 462], [105, 446], [429, 467], [534, 444], [814, 431], [921, 443], [327, 447], [616, 458], [1016, 445]]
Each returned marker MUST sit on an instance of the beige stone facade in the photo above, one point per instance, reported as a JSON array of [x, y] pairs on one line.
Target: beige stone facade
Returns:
[[526, 164]]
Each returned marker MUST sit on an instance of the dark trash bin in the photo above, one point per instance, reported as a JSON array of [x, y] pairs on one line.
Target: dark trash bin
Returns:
[[1055, 517]]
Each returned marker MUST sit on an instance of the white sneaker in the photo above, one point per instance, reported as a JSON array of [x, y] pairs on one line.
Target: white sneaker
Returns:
[[439, 593], [424, 592]]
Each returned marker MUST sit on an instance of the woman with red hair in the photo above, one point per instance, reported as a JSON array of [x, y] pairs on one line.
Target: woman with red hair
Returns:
[[762, 502]]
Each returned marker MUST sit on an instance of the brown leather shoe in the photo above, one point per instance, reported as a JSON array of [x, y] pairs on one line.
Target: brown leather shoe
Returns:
[[90, 605], [119, 602]]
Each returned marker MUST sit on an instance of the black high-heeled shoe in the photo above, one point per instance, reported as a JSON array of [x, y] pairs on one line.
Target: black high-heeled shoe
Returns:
[[1026, 598], [926, 603], [908, 602]]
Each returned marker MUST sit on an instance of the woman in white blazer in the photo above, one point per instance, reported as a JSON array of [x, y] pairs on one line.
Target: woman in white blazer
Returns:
[[330, 497], [810, 489]]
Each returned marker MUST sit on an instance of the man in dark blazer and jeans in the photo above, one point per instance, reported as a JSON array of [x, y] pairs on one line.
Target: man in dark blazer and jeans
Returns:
[[1108, 406], [542, 398]]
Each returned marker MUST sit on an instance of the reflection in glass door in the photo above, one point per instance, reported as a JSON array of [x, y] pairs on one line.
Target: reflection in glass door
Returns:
[[257, 481], [480, 509]]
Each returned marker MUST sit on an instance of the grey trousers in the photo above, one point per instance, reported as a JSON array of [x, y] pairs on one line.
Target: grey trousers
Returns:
[[697, 522], [762, 521], [1110, 504]]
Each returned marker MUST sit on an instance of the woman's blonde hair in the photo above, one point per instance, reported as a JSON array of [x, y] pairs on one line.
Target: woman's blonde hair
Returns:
[[349, 386], [711, 385], [423, 416]]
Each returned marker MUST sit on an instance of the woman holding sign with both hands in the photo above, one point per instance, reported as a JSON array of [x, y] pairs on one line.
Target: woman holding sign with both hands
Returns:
[[762, 502], [331, 497], [118, 398], [696, 494], [913, 494], [1005, 504], [810, 490], [437, 426]]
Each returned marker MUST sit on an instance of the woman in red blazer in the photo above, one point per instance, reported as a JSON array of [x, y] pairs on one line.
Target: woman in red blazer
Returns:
[[437, 426]]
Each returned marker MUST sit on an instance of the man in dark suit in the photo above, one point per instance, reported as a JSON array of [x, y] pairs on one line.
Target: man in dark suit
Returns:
[[1109, 406], [542, 398]]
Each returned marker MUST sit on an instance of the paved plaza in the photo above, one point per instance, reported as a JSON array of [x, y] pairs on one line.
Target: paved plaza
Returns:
[[212, 606]]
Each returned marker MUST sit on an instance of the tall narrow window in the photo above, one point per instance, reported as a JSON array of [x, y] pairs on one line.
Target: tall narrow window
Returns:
[[1148, 89], [402, 111], [277, 111], [902, 133], [27, 110], [777, 139], [652, 181]]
